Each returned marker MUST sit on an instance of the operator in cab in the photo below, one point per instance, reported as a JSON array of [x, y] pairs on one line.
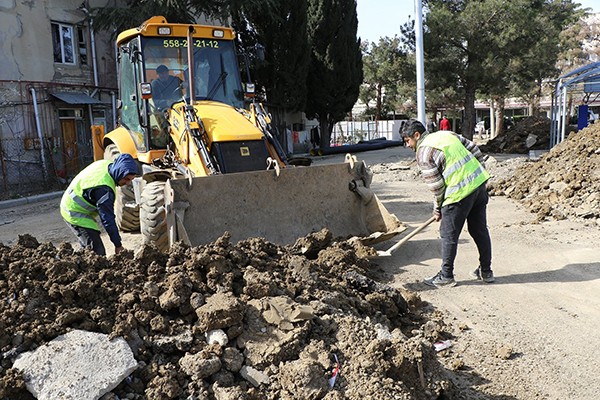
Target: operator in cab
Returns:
[[166, 89], [91, 194]]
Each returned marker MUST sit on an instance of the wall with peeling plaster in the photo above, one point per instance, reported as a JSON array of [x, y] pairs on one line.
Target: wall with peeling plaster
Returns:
[[26, 47]]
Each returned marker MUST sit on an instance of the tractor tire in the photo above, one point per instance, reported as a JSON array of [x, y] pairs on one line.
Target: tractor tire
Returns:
[[153, 216], [127, 212]]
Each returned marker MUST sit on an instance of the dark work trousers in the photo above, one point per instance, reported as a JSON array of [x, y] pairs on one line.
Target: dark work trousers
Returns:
[[473, 210], [89, 239]]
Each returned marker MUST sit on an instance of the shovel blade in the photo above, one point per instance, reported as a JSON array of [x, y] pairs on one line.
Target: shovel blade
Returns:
[[281, 207]]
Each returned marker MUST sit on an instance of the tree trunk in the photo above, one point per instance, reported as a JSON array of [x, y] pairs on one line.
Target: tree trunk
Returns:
[[499, 115], [326, 128], [530, 107], [434, 119], [468, 126], [534, 110]]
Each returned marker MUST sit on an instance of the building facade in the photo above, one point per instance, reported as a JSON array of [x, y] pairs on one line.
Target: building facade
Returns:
[[57, 90]]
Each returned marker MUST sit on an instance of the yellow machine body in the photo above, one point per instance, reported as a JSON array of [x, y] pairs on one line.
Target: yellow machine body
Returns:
[[210, 160]]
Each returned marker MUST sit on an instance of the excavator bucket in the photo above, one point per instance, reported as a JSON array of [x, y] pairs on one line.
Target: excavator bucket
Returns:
[[279, 205]]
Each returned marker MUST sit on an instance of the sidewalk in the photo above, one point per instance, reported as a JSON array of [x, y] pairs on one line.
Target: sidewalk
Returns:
[[29, 200]]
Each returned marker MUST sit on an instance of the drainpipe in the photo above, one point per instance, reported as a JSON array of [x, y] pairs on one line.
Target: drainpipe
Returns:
[[91, 114], [39, 132], [94, 61]]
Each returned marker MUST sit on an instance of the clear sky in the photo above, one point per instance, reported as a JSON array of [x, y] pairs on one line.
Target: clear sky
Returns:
[[377, 18]]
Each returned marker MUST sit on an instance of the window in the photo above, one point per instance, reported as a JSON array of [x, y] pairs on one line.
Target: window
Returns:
[[131, 102], [62, 40], [81, 45], [216, 73]]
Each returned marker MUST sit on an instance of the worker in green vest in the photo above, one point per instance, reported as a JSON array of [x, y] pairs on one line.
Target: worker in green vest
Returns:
[[92, 194], [452, 166]]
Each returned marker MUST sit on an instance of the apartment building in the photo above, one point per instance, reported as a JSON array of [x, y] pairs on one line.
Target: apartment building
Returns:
[[57, 86]]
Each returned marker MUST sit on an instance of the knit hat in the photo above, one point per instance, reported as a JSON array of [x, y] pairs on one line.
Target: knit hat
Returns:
[[123, 165]]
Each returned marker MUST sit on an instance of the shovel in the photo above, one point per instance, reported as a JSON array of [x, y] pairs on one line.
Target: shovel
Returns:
[[388, 252]]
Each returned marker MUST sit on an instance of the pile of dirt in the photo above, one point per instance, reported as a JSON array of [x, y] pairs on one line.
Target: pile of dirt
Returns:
[[563, 183], [531, 133], [280, 317]]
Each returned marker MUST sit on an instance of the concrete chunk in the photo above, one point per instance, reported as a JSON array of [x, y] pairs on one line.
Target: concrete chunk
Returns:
[[283, 311], [254, 376], [78, 365]]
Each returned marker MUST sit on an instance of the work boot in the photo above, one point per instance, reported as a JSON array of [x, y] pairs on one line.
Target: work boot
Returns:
[[487, 276], [440, 281]]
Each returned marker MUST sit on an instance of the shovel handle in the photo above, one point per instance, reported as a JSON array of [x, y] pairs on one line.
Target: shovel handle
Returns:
[[410, 235]]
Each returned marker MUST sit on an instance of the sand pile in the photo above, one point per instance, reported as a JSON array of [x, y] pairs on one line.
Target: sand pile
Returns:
[[222, 321], [531, 133], [564, 183]]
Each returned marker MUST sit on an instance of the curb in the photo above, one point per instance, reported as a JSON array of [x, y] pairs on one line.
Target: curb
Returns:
[[29, 200]]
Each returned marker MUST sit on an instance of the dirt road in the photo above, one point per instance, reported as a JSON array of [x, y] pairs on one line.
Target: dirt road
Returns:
[[544, 304], [530, 335]]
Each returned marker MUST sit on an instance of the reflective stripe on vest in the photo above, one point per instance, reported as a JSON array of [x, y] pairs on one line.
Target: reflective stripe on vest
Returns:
[[73, 207], [75, 214], [81, 202], [463, 173]]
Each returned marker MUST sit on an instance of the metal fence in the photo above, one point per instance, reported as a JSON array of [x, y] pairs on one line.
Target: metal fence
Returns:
[[33, 157], [27, 159], [27, 169], [351, 132]]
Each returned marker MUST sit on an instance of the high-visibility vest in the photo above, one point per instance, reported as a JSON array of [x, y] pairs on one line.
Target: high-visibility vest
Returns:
[[73, 207], [463, 173]]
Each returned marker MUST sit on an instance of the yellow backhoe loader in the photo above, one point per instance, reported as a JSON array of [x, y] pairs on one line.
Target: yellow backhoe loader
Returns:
[[209, 158]]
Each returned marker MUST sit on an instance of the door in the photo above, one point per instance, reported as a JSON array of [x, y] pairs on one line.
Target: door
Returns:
[[70, 149]]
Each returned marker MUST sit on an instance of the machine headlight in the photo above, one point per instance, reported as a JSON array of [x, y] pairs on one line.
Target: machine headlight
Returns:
[[164, 30]]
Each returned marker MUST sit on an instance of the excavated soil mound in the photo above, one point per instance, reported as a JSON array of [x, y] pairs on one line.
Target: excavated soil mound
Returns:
[[531, 133], [222, 321], [564, 183]]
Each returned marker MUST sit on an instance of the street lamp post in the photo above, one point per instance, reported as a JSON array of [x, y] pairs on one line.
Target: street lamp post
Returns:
[[419, 61]]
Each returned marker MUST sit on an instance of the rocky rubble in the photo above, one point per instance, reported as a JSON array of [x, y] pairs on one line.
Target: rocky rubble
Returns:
[[221, 321], [564, 183], [531, 133]]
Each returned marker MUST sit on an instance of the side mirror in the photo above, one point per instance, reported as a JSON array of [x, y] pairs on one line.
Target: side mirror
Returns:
[[146, 90], [250, 90]]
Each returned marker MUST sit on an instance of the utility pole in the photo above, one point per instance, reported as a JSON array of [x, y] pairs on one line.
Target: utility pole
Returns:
[[419, 61]]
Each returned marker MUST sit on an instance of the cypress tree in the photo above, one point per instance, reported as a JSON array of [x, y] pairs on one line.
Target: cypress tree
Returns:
[[335, 71], [282, 34]]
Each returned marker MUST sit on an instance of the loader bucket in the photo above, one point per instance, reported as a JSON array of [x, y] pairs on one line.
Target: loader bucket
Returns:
[[280, 206]]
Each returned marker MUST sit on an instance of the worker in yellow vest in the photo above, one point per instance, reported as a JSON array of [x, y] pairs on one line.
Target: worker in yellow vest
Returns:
[[91, 194], [452, 166]]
